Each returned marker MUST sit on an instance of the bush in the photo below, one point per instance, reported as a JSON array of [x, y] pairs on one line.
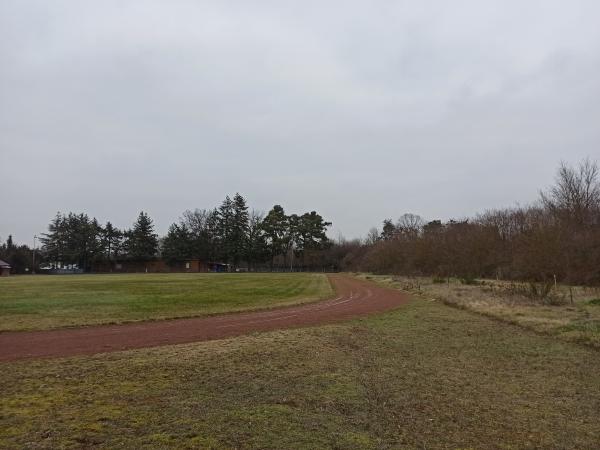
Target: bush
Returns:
[[540, 292], [470, 280]]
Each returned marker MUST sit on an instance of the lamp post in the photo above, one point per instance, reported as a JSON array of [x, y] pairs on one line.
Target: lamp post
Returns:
[[33, 268]]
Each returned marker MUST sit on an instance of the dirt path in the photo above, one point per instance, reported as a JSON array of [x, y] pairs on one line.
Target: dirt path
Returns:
[[353, 298]]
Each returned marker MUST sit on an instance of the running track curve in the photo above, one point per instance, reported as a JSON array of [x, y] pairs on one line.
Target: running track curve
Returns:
[[354, 298]]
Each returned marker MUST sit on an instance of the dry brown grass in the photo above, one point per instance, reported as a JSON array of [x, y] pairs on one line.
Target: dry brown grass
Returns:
[[577, 320]]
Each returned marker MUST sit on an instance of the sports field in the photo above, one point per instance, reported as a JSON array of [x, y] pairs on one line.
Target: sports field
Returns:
[[45, 302], [423, 376]]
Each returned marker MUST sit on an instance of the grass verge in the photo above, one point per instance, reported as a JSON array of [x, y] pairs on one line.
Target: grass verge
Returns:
[[576, 322]]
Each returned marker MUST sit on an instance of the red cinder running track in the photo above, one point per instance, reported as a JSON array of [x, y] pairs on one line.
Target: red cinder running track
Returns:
[[354, 298]]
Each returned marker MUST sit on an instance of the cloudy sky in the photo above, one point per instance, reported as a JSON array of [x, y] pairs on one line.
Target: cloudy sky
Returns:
[[359, 110]]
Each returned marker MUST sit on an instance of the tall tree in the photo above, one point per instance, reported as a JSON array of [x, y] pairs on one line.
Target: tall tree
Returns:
[[111, 242], [310, 234], [275, 226], [72, 239], [198, 224], [389, 230], [575, 196], [177, 244], [256, 245], [239, 229], [53, 242], [142, 241], [225, 229]]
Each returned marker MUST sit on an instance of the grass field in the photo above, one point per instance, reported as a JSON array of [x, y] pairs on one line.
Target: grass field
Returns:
[[44, 302], [426, 376]]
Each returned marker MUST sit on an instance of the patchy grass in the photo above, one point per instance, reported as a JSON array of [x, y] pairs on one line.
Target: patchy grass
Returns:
[[44, 302], [578, 321], [424, 376]]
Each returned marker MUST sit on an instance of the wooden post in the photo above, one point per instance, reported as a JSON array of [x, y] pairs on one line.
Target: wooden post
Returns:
[[571, 293]]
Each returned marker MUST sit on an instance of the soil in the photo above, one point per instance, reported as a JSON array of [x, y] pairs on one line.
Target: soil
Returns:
[[354, 298]]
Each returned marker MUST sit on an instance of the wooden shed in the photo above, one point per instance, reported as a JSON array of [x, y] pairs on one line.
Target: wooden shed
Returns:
[[4, 268]]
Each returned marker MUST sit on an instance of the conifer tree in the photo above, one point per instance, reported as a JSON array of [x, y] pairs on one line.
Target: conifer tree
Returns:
[[142, 241], [239, 229]]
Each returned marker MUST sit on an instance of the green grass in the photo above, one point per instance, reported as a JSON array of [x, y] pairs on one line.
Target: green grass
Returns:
[[425, 376], [43, 302]]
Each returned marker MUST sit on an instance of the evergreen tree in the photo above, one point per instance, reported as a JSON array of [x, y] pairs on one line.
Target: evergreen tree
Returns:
[[177, 244], [256, 243], [18, 256], [310, 233], [53, 242], [275, 226], [225, 229], [111, 242], [142, 241], [214, 251], [389, 230], [239, 229]]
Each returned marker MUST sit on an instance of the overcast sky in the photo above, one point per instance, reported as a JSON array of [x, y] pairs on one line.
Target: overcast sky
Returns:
[[359, 110]]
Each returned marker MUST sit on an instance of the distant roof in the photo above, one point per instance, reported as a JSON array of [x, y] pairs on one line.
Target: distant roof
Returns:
[[4, 264]]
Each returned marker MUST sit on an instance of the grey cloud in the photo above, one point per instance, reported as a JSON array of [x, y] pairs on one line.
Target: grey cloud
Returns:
[[359, 110]]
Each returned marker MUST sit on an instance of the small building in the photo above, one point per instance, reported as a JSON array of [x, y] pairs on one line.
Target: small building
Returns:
[[4, 268], [218, 267]]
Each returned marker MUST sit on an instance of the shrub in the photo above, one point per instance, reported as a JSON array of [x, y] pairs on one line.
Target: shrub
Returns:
[[470, 280]]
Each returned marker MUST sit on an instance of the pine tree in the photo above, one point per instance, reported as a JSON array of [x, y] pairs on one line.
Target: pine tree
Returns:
[[275, 226], [310, 234], [53, 242], [256, 243], [225, 229], [239, 229], [389, 230], [111, 241], [214, 251], [142, 241], [176, 245]]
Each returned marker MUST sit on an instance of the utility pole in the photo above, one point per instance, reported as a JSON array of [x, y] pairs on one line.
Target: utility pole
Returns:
[[33, 268]]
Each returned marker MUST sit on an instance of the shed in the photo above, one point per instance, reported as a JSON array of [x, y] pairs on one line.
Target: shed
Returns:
[[4, 268]]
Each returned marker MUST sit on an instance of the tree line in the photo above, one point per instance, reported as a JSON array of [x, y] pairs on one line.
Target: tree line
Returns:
[[20, 257], [557, 237], [78, 240], [229, 234], [233, 234]]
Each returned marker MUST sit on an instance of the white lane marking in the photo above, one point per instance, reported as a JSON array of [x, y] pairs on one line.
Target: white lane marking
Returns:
[[267, 316], [257, 321]]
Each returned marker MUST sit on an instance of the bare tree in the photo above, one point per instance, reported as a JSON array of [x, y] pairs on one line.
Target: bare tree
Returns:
[[410, 225], [576, 194], [372, 236]]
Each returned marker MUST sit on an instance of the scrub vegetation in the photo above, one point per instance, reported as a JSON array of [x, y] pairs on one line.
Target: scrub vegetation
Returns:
[[571, 313], [556, 238], [44, 302]]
